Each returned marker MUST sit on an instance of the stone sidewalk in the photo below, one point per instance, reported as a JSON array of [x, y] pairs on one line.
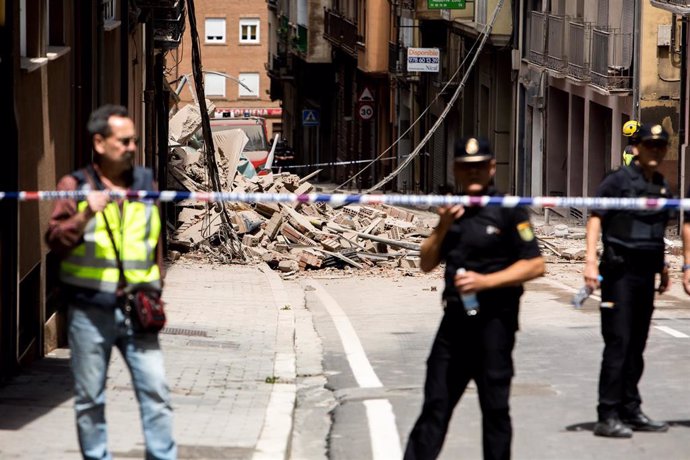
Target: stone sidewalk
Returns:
[[230, 359]]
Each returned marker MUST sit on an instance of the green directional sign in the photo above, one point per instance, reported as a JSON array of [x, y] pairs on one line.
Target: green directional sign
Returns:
[[445, 4]]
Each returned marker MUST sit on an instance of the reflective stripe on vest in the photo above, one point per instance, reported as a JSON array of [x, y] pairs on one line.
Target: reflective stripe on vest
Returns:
[[93, 264]]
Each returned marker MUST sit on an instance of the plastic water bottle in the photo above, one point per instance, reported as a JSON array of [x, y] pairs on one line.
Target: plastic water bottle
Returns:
[[582, 295], [469, 301]]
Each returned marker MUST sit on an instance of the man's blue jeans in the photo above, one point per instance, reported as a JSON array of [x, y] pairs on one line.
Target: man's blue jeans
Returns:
[[92, 333]]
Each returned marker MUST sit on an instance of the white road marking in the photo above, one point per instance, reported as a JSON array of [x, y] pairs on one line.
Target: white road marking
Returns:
[[275, 434], [385, 440], [383, 431], [672, 332]]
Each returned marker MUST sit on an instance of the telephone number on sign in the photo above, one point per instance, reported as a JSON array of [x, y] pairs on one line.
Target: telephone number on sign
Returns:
[[422, 60]]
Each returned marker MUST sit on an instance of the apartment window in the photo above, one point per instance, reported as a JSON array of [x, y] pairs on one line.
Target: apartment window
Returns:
[[215, 30], [110, 21], [481, 12], [108, 10], [603, 13], [214, 85], [32, 28], [251, 80], [56, 23], [249, 31], [41, 32]]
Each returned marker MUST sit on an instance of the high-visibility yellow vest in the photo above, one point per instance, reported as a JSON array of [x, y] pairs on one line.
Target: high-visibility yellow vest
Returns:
[[93, 264]]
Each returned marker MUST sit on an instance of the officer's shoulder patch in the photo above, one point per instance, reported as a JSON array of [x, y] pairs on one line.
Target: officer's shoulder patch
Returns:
[[525, 231]]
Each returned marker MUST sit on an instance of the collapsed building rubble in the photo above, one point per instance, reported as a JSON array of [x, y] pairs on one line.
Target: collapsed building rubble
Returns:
[[288, 236]]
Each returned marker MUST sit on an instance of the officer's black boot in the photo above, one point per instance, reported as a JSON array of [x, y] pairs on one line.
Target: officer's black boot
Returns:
[[612, 427], [640, 422]]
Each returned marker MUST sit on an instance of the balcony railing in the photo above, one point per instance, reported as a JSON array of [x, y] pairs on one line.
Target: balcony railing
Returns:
[[340, 31], [299, 39], [556, 56], [272, 5], [109, 13], [610, 68], [537, 38], [674, 6], [579, 36]]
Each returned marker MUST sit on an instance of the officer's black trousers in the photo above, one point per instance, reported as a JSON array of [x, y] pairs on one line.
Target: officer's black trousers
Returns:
[[625, 328], [465, 348]]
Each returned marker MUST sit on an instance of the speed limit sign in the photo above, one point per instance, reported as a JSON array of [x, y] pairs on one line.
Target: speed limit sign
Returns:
[[366, 111]]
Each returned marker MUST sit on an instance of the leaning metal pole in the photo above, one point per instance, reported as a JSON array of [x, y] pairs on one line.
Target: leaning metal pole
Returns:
[[232, 240]]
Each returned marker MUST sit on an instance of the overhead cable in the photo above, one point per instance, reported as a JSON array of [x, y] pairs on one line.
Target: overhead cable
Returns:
[[486, 32]]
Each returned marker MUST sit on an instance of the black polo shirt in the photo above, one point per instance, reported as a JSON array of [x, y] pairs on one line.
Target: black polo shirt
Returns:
[[487, 240], [636, 230]]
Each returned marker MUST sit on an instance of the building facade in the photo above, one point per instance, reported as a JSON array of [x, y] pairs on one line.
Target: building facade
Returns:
[[234, 48], [59, 60], [587, 68]]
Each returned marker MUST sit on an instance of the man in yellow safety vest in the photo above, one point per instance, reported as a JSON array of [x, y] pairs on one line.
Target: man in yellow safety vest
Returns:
[[89, 273]]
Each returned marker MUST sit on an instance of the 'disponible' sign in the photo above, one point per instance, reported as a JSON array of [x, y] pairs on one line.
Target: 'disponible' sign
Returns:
[[423, 59], [445, 4]]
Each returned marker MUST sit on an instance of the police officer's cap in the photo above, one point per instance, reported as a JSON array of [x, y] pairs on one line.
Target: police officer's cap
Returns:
[[652, 134], [472, 150]]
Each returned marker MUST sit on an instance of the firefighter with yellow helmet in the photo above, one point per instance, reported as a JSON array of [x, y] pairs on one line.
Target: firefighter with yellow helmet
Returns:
[[631, 130]]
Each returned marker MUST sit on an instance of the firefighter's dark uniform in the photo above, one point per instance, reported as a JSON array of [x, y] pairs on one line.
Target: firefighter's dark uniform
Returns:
[[484, 240], [633, 254]]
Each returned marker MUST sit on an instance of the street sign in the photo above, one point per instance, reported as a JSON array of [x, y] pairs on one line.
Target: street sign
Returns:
[[366, 111], [445, 4], [423, 59], [366, 95], [310, 117]]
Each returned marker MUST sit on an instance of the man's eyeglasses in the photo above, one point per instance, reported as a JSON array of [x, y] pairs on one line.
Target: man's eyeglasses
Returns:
[[127, 140]]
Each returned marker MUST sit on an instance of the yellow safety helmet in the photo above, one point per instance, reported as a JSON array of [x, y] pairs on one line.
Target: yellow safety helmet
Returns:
[[630, 128]]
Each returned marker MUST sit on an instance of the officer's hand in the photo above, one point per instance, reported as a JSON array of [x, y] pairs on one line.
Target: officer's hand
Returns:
[[469, 282], [664, 282], [448, 214], [97, 201], [592, 274]]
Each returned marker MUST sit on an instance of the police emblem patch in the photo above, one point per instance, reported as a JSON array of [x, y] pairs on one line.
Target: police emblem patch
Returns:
[[472, 146], [525, 231]]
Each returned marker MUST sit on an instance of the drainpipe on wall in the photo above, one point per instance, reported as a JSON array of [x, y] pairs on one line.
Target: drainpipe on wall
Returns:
[[162, 97], [637, 24], [149, 112], [518, 97], [9, 271], [683, 113], [124, 53], [100, 51]]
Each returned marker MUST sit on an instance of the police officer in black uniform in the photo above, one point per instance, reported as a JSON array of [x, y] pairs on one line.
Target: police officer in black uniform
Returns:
[[497, 248], [633, 254]]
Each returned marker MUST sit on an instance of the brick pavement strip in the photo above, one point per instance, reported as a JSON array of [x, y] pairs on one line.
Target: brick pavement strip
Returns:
[[227, 333]]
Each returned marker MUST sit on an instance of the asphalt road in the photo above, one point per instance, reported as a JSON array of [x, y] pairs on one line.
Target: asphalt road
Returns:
[[376, 333]]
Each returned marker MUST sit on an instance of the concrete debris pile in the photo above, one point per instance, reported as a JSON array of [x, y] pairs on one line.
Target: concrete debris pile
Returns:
[[299, 236], [289, 237]]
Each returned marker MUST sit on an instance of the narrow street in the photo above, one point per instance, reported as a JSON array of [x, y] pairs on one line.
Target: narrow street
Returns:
[[331, 365], [556, 358]]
